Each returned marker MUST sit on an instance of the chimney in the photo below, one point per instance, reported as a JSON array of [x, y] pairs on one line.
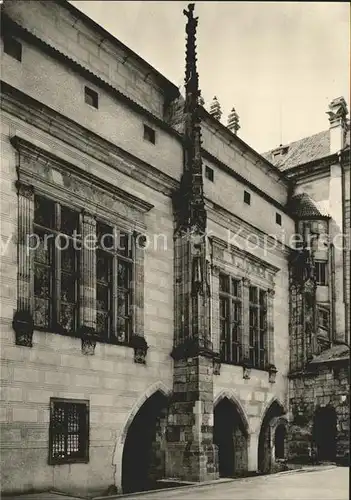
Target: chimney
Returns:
[[233, 121], [215, 109], [338, 124]]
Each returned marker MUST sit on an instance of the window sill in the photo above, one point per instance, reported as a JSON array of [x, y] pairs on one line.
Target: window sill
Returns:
[[97, 338], [241, 364], [68, 461]]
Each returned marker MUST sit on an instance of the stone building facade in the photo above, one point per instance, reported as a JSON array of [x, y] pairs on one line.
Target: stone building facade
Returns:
[[319, 168], [168, 352]]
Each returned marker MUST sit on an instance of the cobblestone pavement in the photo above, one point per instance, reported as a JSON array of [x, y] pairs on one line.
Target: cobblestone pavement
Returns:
[[330, 483], [313, 484]]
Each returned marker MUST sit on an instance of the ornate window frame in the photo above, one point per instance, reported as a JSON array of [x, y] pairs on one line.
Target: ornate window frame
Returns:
[[252, 271], [40, 171]]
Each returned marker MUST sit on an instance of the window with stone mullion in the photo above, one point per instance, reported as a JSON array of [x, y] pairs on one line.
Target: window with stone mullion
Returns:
[[257, 327], [114, 265], [56, 266], [230, 319]]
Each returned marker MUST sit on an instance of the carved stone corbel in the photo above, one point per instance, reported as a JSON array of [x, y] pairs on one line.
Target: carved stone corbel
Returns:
[[23, 326], [272, 373], [139, 344], [88, 337]]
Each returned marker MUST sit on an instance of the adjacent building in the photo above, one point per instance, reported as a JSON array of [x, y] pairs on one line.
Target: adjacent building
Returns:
[[319, 169], [151, 289]]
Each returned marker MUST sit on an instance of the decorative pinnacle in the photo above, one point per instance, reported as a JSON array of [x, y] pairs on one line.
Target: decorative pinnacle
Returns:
[[233, 121], [215, 109]]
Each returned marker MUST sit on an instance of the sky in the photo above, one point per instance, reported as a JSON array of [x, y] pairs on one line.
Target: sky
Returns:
[[278, 63]]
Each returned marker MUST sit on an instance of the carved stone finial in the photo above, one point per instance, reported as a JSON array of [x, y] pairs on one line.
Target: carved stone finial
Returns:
[[337, 110], [233, 121], [215, 109]]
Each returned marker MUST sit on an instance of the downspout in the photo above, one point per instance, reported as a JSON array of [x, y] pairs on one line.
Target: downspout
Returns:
[[333, 293]]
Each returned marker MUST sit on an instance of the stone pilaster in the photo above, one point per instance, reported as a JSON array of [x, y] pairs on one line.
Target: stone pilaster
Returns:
[[215, 309], [245, 319], [88, 284], [88, 272], [23, 324], [270, 327], [25, 229]]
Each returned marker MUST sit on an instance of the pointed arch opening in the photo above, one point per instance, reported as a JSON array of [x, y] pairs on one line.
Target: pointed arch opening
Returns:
[[267, 440], [143, 458], [230, 434]]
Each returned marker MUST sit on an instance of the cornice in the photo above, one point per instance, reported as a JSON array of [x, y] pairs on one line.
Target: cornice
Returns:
[[42, 117], [38, 154]]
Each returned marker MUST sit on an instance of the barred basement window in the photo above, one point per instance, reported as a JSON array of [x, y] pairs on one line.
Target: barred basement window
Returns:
[[257, 327], [114, 266], [56, 266], [230, 319], [321, 273], [68, 431]]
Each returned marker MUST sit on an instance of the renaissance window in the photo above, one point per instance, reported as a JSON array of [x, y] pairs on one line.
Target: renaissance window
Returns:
[[247, 198], [230, 308], [68, 431], [257, 326], [56, 266], [114, 266], [209, 173], [321, 273]]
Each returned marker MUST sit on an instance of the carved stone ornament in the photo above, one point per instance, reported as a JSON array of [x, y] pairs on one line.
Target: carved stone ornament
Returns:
[[272, 373], [247, 369], [88, 337], [139, 344], [216, 365], [23, 326]]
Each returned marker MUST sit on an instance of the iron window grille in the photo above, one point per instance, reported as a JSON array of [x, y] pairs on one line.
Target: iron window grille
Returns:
[[114, 283], [230, 309], [56, 266], [257, 327], [68, 431]]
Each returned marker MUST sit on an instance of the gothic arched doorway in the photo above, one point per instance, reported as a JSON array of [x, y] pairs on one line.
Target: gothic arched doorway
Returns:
[[230, 435], [143, 454], [265, 438], [324, 434]]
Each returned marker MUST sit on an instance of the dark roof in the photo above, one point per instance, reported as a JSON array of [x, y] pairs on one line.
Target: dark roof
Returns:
[[302, 205], [334, 353], [306, 150]]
